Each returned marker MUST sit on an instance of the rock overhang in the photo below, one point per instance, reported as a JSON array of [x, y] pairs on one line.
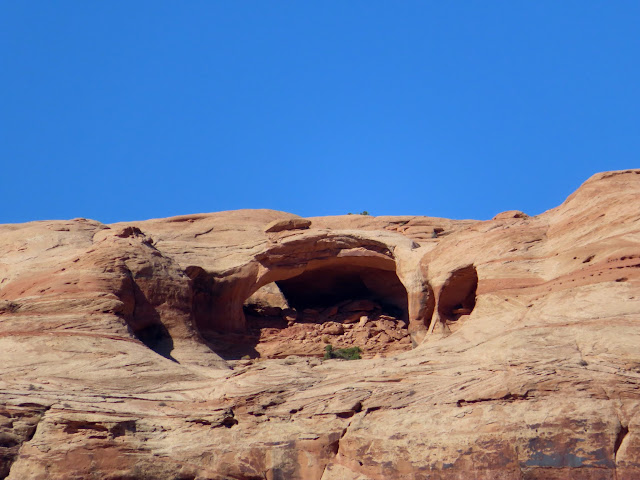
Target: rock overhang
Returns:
[[379, 263]]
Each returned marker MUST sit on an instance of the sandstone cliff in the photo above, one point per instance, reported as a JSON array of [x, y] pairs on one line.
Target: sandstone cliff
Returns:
[[191, 347]]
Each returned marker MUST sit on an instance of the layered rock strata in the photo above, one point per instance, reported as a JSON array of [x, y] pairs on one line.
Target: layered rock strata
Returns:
[[191, 347]]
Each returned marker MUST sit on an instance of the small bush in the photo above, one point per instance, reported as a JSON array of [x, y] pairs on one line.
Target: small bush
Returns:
[[364, 213], [351, 353], [328, 351]]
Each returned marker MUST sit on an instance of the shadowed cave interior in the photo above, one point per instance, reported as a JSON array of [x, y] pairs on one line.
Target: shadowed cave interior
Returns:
[[338, 305], [323, 288], [458, 295]]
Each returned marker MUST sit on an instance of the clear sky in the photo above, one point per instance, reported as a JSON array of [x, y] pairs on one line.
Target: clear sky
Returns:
[[123, 110]]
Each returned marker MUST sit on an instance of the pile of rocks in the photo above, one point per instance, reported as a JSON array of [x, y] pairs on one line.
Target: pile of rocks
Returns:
[[362, 323]]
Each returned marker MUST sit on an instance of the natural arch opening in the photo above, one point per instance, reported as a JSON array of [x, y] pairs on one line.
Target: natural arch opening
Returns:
[[458, 295], [344, 305], [325, 287]]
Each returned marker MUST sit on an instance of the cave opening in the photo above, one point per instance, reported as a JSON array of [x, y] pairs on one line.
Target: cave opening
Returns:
[[458, 295], [343, 305], [326, 287]]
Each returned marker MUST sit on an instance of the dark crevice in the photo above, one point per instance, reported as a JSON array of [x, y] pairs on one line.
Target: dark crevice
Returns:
[[12, 442], [427, 305], [335, 445], [203, 233], [348, 414], [620, 436], [202, 304], [509, 397]]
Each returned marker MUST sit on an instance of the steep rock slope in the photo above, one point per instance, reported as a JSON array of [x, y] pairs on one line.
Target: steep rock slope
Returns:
[[502, 349]]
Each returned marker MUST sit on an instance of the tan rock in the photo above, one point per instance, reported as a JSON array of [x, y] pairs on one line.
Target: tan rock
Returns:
[[510, 214], [383, 337], [509, 347], [287, 224], [333, 328]]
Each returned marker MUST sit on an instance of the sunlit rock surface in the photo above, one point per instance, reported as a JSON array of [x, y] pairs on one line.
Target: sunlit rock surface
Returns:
[[191, 347]]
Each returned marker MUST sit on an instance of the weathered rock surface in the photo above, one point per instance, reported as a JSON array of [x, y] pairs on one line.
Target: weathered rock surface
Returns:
[[287, 224], [191, 347]]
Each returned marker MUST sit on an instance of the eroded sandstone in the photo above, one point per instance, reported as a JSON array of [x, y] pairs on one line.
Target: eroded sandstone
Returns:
[[501, 349]]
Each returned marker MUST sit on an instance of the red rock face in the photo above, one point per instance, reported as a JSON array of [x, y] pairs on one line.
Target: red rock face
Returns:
[[504, 349]]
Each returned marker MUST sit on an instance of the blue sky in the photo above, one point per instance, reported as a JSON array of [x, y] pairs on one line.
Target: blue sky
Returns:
[[126, 110]]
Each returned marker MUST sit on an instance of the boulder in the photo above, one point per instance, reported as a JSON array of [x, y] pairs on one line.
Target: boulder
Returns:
[[333, 328], [287, 224]]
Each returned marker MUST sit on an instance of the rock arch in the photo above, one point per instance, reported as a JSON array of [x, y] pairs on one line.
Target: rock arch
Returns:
[[314, 270]]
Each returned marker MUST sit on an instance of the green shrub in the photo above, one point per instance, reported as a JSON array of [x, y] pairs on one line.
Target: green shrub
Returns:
[[351, 353]]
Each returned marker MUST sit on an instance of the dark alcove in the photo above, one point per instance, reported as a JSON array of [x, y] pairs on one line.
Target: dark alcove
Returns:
[[458, 295], [327, 286]]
